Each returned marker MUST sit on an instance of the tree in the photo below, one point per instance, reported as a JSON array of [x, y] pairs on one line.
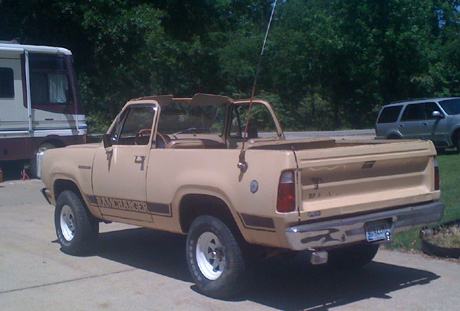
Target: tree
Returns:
[[327, 64]]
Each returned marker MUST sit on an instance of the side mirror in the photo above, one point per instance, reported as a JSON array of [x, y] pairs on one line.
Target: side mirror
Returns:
[[107, 139], [437, 115]]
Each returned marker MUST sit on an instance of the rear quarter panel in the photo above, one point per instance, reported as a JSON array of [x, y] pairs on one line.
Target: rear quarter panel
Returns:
[[174, 173]]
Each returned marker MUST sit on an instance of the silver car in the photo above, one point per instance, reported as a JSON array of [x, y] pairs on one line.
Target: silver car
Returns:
[[436, 119]]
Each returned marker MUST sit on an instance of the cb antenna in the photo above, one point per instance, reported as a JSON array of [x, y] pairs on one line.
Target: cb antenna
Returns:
[[242, 165]]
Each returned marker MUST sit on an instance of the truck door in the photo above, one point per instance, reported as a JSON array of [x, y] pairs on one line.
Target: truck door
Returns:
[[119, 172]]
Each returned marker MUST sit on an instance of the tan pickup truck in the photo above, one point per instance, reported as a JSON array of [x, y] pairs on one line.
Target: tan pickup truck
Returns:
[[239, 189]]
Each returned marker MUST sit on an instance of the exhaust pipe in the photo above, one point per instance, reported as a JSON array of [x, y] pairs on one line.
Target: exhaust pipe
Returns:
[[318, 257]]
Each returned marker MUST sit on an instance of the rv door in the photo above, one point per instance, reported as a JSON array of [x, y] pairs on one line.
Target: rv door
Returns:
[[13, 114]]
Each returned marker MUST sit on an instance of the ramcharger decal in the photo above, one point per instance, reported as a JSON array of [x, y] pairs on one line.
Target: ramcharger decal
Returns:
[[131, 205]]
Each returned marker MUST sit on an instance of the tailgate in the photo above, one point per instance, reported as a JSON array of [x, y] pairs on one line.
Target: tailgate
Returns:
[[353, 178]]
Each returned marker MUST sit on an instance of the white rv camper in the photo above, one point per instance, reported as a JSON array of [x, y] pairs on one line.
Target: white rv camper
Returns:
[[39, 107]]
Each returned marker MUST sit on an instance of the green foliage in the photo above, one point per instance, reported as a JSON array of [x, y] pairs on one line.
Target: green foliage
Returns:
[[449, 172], [327, 64]]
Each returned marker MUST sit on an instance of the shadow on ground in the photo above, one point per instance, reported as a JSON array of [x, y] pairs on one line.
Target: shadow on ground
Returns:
[[285, 284], [155, 251]]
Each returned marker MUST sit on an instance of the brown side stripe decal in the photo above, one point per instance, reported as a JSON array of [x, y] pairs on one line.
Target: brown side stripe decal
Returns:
[[158, 208], [257, 222], [131, 205]]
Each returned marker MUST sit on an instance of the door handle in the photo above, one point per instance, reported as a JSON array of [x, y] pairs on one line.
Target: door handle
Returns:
[[424, 124], [401, 125], [139, 159]]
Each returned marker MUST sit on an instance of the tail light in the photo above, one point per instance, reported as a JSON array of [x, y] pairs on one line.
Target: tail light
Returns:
[[286, 192], [436, 175]]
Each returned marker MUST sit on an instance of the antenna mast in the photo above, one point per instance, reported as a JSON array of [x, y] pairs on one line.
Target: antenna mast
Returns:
[[242, 165]]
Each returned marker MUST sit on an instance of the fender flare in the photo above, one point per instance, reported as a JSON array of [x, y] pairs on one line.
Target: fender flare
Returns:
[[208, 192]]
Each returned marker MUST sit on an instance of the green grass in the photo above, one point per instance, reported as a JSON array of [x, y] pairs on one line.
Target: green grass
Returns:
[[449, 171], [447, 237]]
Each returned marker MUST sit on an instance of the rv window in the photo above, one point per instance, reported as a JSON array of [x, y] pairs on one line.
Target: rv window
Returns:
[[6, 83], [49, 84]]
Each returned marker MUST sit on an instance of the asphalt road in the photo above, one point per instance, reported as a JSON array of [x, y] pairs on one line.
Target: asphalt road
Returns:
[[139, 269]]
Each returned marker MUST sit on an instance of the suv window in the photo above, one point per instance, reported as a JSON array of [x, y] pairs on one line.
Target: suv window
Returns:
[[413, 112], [429, 109], [389, 114]]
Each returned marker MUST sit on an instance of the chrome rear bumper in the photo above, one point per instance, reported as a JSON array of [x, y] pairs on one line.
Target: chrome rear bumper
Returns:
[[350, 230]]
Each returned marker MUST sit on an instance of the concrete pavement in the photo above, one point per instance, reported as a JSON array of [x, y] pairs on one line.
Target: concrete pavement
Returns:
[[139, 269]]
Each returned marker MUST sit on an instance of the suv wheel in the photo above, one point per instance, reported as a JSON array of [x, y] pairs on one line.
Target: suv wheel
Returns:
[[457, 141]]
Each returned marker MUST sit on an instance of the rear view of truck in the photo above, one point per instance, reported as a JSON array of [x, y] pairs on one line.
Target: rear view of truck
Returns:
[[362, 193]]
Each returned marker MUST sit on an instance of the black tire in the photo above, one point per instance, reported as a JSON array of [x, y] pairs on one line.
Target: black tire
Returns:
[[76, 229], [394, 136], [457, 141], [215, 258], [352, 257]]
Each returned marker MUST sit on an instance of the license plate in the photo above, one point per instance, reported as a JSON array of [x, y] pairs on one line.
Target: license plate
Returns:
[[377, 231]]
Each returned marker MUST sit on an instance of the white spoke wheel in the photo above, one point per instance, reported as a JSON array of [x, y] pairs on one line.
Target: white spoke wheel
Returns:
[[67, 223], [210, 256], [76, 228], [215, 258]]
